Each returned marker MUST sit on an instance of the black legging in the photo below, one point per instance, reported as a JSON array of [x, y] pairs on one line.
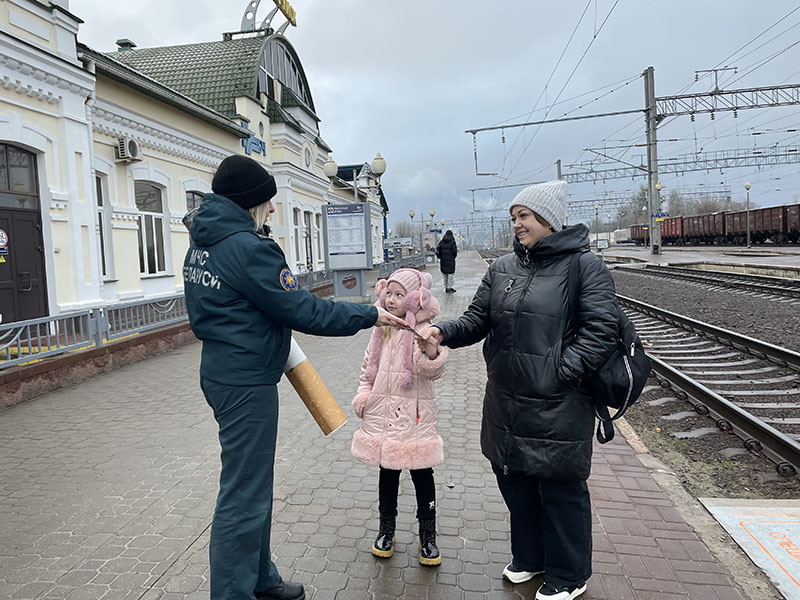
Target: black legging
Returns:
[[389, 482]]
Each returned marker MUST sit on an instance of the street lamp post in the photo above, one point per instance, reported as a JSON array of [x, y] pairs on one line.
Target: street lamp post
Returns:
[[747, 188], [378, 165]]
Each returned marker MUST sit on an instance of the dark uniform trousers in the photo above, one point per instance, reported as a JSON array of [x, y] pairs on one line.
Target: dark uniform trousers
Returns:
[[239, 553], [551, 526]]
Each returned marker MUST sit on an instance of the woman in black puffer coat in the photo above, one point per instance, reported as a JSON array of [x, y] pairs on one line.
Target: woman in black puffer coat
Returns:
[[446, 251], [538, 422]]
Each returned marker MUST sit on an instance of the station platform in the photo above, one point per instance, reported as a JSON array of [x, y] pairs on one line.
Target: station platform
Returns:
[[107, 490]]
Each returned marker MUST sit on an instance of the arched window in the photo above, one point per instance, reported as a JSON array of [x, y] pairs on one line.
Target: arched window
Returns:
[[278, 63], [151, 228]]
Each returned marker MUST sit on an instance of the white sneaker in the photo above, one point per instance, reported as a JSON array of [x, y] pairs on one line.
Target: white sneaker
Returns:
[[550, 592], [516, 575]]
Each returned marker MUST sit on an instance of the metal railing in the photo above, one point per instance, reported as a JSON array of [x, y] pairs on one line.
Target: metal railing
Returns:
[[26, 341], [314, 278], [387, 268], [122, 320]]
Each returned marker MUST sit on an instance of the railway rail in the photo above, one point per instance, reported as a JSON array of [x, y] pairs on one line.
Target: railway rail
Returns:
[[749, 388], [768, 287]]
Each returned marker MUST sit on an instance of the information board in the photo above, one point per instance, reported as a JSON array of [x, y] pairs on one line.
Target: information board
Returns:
[[394, 243], [347, 241]]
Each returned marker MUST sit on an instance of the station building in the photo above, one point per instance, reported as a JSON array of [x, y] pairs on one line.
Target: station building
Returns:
[[102, 153]]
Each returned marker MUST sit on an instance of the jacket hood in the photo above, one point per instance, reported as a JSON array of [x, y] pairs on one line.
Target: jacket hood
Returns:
[[566, 241], [218, 218]]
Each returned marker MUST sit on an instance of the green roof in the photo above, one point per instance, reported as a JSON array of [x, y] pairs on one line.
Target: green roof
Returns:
[[213, 73]]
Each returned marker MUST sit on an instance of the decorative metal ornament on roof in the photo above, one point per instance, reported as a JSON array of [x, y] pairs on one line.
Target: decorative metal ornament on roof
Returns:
[[249, 17]]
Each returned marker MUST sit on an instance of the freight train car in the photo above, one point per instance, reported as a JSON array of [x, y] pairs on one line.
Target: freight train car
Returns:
[[672, 230], [771, 225], [640, 234], [704, 229], [793, 223]]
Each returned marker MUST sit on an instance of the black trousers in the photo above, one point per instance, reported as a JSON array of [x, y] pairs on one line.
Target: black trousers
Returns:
[[551, 526], [389, 482]]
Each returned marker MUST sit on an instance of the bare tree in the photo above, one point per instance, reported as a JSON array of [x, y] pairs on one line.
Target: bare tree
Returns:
[[402, 229]]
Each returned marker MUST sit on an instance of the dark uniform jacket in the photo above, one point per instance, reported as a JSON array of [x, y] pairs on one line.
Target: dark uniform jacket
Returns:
[[244, 302], [536, 418], [447, 251]]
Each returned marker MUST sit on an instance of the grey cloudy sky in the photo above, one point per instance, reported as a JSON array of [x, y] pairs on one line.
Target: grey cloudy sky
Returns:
[[407, 78]]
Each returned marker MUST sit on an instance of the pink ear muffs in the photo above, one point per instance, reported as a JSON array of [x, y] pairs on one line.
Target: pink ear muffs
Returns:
[[380, 291]]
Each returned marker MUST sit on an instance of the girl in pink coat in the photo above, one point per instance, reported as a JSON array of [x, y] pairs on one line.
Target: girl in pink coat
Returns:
[[395, 401]]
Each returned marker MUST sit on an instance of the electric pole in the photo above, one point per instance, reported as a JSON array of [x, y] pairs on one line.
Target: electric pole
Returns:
[[651, 122]]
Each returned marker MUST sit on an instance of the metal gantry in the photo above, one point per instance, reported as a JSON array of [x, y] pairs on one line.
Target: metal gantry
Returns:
[[657, 109], [704, 161]]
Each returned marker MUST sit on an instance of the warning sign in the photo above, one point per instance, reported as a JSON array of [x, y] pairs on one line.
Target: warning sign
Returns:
[[3, 238]]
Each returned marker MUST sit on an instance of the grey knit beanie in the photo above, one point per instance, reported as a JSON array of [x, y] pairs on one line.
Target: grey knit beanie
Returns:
[[548, 200]]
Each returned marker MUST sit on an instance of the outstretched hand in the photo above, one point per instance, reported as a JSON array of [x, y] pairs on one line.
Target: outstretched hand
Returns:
[[431, 335], [387, 318]]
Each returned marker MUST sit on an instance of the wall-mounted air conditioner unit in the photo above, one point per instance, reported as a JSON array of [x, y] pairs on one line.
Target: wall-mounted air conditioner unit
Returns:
[[128, 149]]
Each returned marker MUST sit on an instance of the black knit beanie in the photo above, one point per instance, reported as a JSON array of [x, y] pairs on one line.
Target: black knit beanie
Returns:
[[243, 180]]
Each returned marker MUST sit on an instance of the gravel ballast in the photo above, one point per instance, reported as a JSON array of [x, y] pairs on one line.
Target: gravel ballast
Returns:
[[710, 465]]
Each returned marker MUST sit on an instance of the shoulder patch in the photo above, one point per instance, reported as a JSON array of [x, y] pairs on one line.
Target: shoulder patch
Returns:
[[288, 280]]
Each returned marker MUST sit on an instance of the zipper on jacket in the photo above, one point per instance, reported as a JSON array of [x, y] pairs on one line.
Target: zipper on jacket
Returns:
[[513, 352], [510, 283]]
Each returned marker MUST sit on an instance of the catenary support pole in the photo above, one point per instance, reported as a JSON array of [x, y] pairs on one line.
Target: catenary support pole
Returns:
[[651, 124]]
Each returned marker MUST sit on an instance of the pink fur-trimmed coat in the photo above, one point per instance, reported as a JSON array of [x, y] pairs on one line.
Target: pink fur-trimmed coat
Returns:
[[398, 428]]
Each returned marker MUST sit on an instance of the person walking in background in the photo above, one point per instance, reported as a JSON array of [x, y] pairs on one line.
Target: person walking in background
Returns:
[[243, 303], [446, 252], [395, 401], [537, 419]]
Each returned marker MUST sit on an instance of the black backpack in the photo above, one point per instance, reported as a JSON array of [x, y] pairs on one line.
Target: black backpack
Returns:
[[620, 380]]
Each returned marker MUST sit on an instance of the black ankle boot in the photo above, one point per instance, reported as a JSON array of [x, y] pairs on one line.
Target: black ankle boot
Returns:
[[384, 543], [428, 551]]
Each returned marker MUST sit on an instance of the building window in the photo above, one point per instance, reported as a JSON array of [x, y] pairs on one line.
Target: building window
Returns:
[[193, 200], [307, 236], [151, 228], [318, 234], [18, 187], [296, 220], [104, 225]]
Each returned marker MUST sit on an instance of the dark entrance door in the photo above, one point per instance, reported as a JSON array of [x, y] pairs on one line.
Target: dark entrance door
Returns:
[[23, 288]]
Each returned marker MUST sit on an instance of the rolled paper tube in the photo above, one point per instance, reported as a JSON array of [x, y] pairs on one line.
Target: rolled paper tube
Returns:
[[312, 391]]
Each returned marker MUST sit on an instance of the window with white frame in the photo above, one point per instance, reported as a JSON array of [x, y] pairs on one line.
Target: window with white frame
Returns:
[[151, 228], [307, 237], [318, 234], [193, 200], [296, 222], [104, 226]]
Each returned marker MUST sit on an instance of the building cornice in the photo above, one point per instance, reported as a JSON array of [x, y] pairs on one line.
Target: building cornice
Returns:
[[116, 121], [38, 74], [299, 178]]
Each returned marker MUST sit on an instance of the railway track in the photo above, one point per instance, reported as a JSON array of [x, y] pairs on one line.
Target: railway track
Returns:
[[744, 386], [773, 288], [748, 387]]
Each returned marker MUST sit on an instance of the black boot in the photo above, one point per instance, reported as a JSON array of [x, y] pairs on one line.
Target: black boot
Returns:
[[284, 590], [428, 551], [384, 543]]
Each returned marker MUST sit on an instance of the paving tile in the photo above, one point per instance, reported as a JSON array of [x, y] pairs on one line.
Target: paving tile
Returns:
[[109, 488]]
